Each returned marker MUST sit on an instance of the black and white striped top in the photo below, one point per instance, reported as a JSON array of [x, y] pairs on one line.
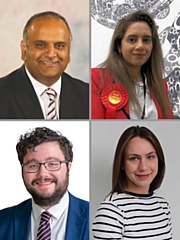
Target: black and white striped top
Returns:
[[133, 216]]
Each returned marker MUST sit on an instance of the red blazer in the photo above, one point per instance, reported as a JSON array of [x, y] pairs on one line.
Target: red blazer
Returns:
[[98, 110]]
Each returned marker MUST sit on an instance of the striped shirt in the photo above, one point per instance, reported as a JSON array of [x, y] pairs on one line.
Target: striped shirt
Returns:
[[133, 216]]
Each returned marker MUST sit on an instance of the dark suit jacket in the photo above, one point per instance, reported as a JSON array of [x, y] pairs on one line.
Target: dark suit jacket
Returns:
[[15, 221], [18, 99]]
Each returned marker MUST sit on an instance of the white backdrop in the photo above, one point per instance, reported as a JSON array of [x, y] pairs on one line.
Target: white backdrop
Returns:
[[101, 34], [15, 14], [104, 138], [104, 17], [11, 183]]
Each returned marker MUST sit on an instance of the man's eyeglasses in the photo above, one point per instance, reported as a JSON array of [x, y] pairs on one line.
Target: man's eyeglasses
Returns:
[[33, 167]]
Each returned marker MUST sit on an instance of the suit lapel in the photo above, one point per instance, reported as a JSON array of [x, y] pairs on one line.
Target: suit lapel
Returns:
[[22, 221], [75, 221], [68, 98], [25, 96]]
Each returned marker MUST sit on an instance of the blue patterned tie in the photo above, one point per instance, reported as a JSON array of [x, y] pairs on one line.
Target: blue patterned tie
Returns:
[[44, 230]]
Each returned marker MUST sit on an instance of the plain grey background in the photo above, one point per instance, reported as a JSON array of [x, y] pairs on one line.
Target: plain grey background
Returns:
[[104, 138]]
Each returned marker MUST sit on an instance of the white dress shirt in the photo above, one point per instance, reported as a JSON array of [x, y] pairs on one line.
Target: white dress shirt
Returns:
[[150, 108], [42, 97], [58, 219]]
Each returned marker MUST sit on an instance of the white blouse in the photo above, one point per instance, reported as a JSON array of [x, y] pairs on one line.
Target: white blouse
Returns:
[[150, 108]]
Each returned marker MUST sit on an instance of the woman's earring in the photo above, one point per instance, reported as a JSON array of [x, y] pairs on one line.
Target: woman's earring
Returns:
[[120, 54]]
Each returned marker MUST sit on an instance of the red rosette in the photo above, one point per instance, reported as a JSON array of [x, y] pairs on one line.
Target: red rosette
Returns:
[[114, 97]]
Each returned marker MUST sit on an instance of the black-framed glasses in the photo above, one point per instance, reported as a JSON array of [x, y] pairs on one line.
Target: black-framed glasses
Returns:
[[51, 166]]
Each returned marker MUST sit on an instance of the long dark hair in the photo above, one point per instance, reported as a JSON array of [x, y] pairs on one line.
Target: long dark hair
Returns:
[[153, 68], [118, 173]]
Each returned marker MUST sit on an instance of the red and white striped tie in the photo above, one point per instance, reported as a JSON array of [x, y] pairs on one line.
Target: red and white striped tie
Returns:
[[51, 112], [44, 230]]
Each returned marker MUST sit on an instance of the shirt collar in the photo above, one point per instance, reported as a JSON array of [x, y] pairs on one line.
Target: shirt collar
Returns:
[[141, 84], [40, 88], [56, 210]]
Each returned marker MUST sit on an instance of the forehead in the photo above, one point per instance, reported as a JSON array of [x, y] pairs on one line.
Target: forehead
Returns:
[[48, 27], [140, 145], [138, 28], [45, 148]]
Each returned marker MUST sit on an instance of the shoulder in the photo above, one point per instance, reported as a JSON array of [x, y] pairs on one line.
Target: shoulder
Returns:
[[161, 200], [96, 71], [74, 81], [13, 78], [109, 217], [101, 75], [14, 73], [113, 202], [165, 83], [10, 210], [78, 202]]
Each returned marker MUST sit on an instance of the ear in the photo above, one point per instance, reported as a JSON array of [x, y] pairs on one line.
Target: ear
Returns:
[[69, 165], [119, 48], [122, 166], [23, 50]]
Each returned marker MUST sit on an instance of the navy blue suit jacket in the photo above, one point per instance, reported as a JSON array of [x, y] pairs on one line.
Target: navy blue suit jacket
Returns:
[[15, 221], [18, 99]]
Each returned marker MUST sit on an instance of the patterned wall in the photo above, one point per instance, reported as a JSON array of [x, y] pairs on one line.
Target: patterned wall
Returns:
[[108, 12]]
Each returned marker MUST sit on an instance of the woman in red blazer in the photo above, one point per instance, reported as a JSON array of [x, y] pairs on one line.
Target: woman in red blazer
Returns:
[[128, 84]]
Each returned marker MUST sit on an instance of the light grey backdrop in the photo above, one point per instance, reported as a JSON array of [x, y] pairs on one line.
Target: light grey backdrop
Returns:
[[104, 138], [14, 15]]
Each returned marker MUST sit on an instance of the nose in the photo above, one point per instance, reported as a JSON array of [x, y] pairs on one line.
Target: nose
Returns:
[[42, 170], [142, 164], [51, 51], [140, 44]]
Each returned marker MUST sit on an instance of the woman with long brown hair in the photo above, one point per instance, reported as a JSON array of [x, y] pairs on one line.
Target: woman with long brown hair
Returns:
[[129, 83], [133, 210]]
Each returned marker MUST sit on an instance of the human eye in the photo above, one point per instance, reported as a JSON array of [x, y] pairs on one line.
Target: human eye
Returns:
[[32, 165], [150, 157], [39, 44], [60, 45], [131, 39], [53, 164], [147, 39], [134, 159]]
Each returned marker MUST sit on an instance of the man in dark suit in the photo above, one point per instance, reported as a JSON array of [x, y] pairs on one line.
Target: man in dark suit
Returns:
[[45, 50], [46, 158]]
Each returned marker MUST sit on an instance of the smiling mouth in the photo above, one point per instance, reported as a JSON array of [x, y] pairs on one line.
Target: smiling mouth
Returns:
[[139, 55], [49, 63], [43, 182], [143, 176]]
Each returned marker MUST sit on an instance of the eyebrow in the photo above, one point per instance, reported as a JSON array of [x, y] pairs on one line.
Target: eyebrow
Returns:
[[135, 154], [44, 41], [133, 35], [46, 160]]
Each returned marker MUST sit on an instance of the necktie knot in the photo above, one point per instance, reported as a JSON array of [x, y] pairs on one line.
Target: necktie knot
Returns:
[[51, 93], [45, 216]]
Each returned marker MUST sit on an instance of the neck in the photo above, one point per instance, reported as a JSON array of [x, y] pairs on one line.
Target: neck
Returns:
[[137, 77], [136, 74]]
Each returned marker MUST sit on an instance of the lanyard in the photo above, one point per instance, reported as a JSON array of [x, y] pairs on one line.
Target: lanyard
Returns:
[[144, 107]]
